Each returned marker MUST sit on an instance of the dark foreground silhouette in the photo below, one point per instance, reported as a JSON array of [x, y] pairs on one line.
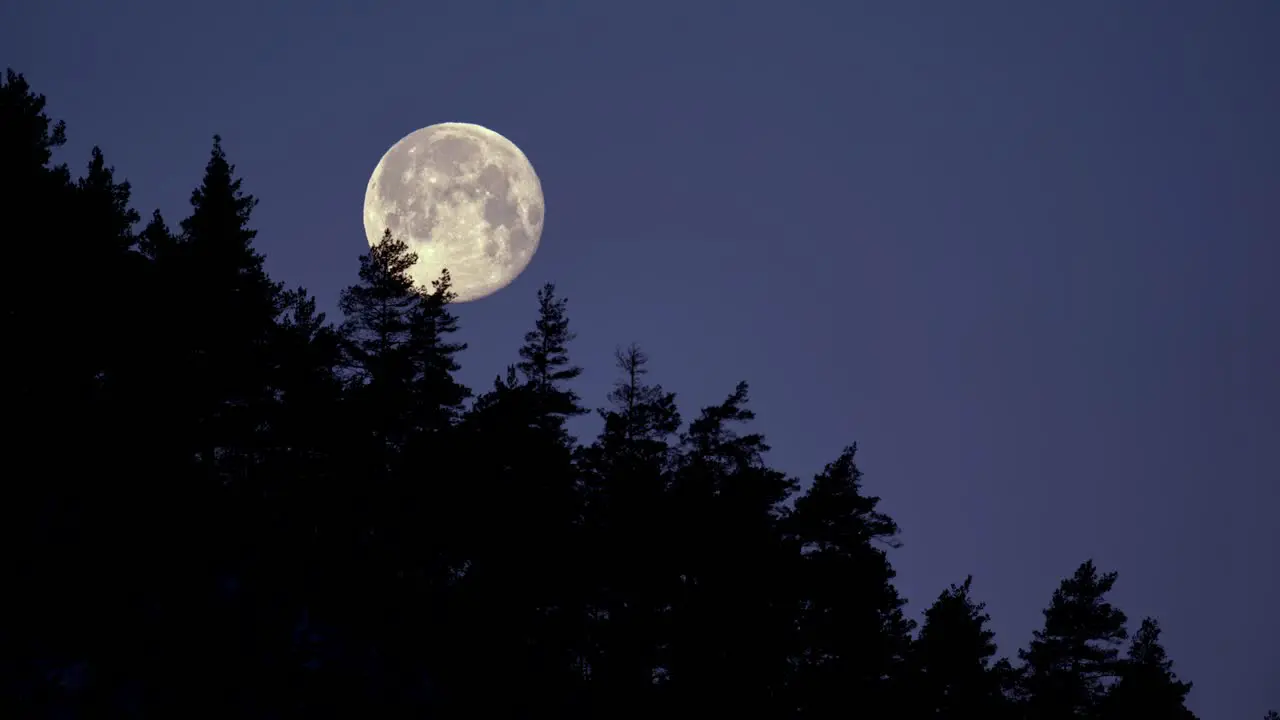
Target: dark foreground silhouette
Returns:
[[221, 505]]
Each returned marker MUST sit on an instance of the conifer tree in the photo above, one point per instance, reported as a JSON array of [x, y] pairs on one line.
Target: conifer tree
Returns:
[[1071, 657], [626, 548], [34, 190], [104, 270], [544, 359], [378, 311], [30, 135], [378, 330], [97, 354], [42, 515], [105, 209], [217, 232], [951, 660], [432, 466], [853, 634], [156, 241], [399, 364], [216, 329], [642, 417], [727, 504], [222, 262], [1147, 687], [400, 388], [307, 350], [439, 397], [427, 554], [523, 518], [307, 423], [157, 377], [228, 309]]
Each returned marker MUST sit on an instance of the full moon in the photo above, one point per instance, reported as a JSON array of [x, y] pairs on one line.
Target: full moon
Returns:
[[462, 197]]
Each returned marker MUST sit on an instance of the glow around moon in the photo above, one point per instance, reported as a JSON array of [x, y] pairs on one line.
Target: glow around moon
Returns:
[[462, 197]]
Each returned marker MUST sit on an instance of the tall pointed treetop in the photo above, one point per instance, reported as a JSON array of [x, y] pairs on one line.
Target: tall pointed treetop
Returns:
[[105, 205], [434, 356], [1148, 686], [1069, 659], [378, 310], [544, 357], [218, 227], [834, 512], [641, 415], [952, 657], [30, 135], [155, 240]]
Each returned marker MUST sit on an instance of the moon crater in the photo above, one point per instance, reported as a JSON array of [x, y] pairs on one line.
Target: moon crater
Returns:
[[462, 197]]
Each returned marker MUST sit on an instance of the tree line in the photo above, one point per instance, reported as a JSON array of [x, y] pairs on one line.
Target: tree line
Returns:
[[222, 504]]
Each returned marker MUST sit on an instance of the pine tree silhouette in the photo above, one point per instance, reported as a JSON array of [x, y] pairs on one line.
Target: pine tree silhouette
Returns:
[[628, 556], [854, 636], [1147, 686], [544, 361], [1069, 660], [951, 660], [727, 504]]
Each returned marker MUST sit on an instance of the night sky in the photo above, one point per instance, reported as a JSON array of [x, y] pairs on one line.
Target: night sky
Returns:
[[1024, 253]]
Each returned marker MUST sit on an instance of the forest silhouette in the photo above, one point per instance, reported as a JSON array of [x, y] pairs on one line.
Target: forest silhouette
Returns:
[[224, 505]]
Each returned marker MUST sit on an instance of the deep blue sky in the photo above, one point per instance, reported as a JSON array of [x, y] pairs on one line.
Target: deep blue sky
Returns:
[[1024, 253]]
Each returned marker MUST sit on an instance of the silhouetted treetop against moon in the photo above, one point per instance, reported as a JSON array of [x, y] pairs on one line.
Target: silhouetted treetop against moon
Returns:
[[463, 198]]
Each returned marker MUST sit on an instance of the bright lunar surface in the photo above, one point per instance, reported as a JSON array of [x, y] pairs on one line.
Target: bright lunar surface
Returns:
[[463, 198]]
